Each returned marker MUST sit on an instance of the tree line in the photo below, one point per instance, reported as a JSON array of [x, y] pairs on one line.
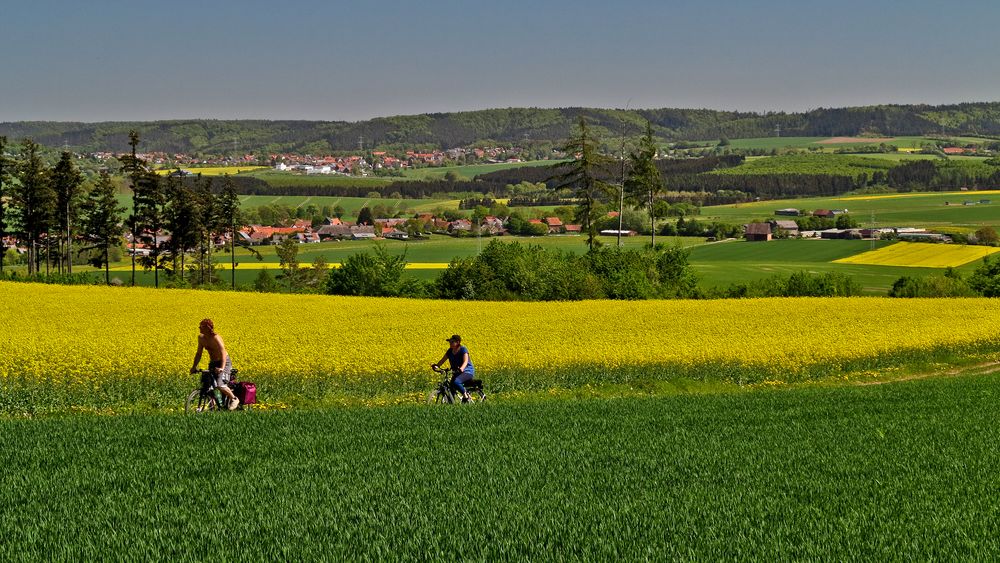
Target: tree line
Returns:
[[60, 220], [521, 126]]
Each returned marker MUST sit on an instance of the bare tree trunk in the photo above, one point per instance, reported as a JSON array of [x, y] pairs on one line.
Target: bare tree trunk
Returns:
[[652, 222], [69, 244]]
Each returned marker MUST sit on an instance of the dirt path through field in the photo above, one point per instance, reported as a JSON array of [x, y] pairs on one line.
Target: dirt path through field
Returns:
[[984, 368]]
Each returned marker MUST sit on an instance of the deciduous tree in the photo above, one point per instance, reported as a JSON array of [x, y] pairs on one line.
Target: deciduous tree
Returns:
[[644, 182]]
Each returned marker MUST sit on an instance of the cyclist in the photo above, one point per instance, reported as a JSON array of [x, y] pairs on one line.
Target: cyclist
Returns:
[[461, 364], [219, 363]]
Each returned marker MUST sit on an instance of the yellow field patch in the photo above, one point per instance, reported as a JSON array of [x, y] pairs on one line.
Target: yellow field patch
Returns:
[[213, 170], [60, 335], [916, 194], [921, 255]]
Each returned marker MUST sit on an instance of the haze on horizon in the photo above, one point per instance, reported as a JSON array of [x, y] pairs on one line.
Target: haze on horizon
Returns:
[[313, 60]]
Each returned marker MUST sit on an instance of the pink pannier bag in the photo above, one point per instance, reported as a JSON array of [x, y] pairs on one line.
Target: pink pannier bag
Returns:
[[246, 392]]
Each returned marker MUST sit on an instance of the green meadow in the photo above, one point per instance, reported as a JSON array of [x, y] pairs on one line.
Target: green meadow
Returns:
[[915, 209], [730, 262], [899, 471], [468, 172]]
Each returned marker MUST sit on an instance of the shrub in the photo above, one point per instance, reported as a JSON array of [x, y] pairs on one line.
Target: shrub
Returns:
[[373, 274]]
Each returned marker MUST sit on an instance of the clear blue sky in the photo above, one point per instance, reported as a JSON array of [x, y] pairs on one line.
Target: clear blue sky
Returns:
[[311, 59]]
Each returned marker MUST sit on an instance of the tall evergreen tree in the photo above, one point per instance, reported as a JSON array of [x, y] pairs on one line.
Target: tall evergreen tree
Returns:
[[148, 200], [208, 226], [365, 216], [582, 176], [34, 201], [102, 224], [5, 166], [68, 185], [181, 218], [133, 167], [644, 182], [229, 215]]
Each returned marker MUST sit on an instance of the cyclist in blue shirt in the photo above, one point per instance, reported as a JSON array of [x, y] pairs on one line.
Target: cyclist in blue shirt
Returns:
[[461, 364]]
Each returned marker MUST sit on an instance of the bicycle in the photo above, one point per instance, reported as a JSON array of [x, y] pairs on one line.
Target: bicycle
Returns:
[[203, 399], [446, 393]]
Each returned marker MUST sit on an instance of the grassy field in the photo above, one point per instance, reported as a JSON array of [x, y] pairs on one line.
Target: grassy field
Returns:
[[470, 171], [924, 209], [836, 164], [725, 263], [351, 205], [717, 264], [769, 143], [901, 471], [289, 180], [436, 249]]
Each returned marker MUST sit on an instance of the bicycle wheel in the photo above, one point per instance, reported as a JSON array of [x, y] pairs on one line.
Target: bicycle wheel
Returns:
[[439, 397], [197, 403]]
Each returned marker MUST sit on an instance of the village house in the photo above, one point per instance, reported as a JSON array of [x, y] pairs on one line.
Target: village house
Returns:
[[334, 232], [788, 211], [790, 227], [554, 224], [264, 235], [363, 232], [757, 232], [460, 225], [493, 225], [923, 237], [307, 237], [389, 223]]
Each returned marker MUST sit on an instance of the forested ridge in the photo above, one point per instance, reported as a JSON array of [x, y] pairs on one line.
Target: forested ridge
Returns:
[[510, 125]]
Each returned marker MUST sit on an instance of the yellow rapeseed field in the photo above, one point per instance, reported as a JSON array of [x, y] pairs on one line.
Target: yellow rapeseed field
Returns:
[[98, 346], [921, 255], [213, 170]]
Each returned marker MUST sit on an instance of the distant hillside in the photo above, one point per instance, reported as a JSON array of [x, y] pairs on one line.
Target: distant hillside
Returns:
[[511, 125]]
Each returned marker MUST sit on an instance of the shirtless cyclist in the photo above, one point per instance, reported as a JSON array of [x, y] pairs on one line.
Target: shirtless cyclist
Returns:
[[220, 365]]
